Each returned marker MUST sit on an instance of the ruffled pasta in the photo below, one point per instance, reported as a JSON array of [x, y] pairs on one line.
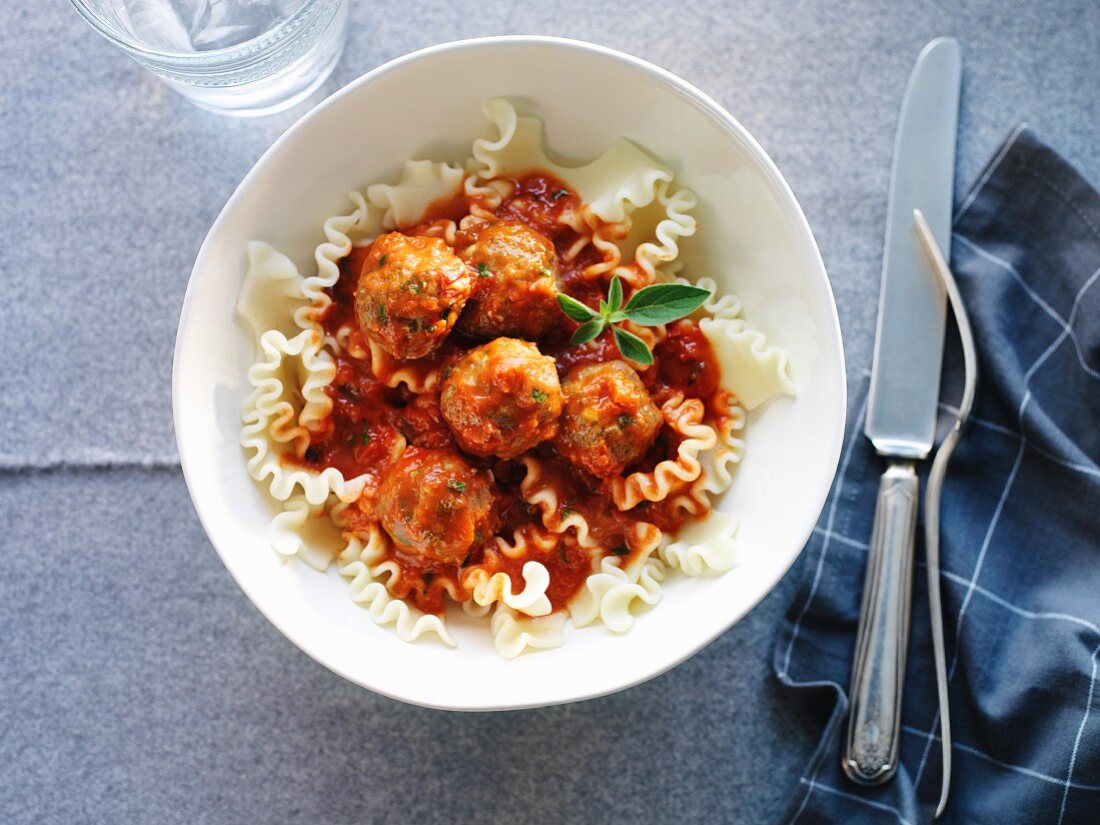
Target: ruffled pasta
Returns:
[[703, 546], [271, 293], [675, 224], [487, 585], [306, 531], [355, 563], [486, 589], [614, 595], [288, 393], [342, 232], [685, 418], [621, 180], [527, 541], [418, 376], [513, 633], [422, 182], [751, 369], [538, 493]]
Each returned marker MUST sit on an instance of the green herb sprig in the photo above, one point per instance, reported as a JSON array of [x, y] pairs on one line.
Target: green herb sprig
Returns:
[[650, 306]]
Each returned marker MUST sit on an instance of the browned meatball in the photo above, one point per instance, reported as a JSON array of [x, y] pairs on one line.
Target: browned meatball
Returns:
[[434, 504], [502, 398], [515, 290], [410, 293], [609, 420]]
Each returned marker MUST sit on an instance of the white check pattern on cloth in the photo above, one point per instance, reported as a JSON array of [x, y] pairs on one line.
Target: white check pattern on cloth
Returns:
[[971, 583]]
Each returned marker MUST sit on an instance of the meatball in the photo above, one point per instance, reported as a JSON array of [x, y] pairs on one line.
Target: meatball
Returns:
[[410, 293], [432, 503], [502, 398], [515, 291], [609, 420]]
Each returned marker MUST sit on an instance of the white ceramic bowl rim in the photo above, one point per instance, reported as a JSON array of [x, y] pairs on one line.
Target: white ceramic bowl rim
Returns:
[[661, 663]]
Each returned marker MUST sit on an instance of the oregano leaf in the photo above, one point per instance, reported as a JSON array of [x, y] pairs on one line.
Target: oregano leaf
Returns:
[[632, 347], [575, 309], [587, 331], [663, 303], [615, 294]]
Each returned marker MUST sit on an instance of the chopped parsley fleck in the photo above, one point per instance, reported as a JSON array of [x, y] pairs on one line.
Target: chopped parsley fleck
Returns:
[[414, 326], [483, 270], [564, 556], [457, 486], [567, 511], [414, 287], [620, 550], [625, 421], [382, 261], [364, 439], [381, 313], [561, 193], [546, 273], [447, 371], [538, 395]]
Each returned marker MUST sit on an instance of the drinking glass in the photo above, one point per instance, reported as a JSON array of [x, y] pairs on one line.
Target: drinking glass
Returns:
[[236, 57]]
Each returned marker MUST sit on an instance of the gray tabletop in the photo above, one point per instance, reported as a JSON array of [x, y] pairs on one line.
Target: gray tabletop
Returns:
[[136, 681]]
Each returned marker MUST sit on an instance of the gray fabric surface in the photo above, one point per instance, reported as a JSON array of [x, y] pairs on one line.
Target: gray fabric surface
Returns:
[[145, 688], [136, 683]]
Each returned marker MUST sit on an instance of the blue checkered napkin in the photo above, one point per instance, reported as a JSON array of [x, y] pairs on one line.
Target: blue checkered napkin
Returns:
[[1021, 536]]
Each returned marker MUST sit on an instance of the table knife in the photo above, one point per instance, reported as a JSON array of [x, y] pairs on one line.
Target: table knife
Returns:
[[901, 411]]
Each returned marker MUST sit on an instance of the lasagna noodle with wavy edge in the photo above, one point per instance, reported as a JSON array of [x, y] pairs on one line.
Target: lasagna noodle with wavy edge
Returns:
[[488, 587], [356, 563], [754, 371], [612, 593], [614, 187], [624, 187], [514, 633], [708, 544], [685, 418]]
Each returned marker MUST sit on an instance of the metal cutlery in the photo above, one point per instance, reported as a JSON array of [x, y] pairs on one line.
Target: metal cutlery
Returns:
[[938, 265], [903, 400]]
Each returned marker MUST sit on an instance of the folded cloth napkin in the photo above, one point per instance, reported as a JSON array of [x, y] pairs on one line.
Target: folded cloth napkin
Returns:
[[1020, 542]]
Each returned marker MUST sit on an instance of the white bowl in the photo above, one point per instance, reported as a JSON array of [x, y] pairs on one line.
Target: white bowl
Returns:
[[753, 239]]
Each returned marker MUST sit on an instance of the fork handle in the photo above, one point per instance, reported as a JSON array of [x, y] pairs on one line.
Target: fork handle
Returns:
[[878, 672]]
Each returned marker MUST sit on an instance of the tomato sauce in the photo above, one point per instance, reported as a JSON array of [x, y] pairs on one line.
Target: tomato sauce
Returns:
[[368, 421], [424, 582], [567, 564]]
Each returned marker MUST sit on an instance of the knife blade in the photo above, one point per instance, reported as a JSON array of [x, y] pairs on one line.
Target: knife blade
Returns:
[[904, 392]]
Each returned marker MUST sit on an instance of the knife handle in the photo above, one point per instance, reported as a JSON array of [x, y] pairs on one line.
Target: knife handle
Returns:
[[878, 671]]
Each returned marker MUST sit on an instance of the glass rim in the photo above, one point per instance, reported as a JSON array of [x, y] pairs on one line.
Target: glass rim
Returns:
[[286, 29]]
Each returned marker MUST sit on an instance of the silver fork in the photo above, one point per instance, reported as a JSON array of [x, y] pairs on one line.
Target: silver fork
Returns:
[[935, 486]]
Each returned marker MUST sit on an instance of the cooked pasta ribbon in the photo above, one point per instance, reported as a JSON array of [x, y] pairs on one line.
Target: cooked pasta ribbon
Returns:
[[685, 418], [355, 563], [631, 221]]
